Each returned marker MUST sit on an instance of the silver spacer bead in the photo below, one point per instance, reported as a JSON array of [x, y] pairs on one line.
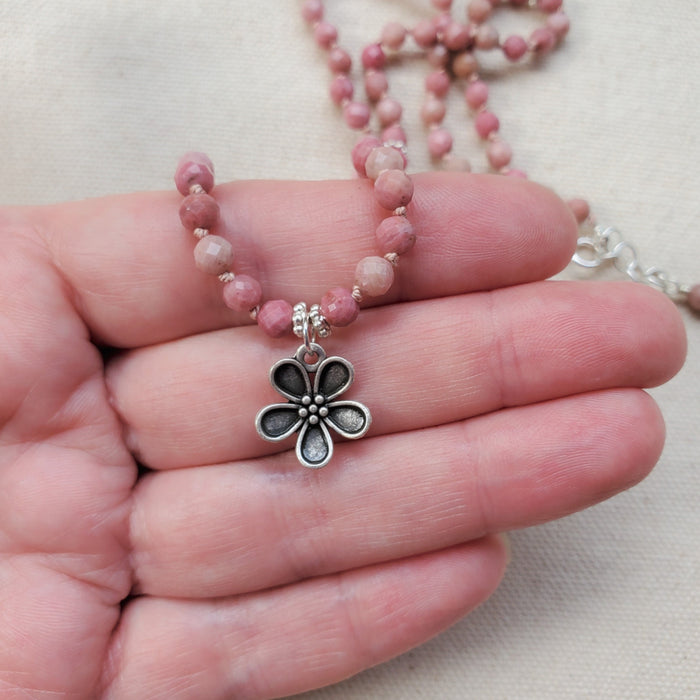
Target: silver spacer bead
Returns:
[[197, 189], [357, 294], [201, 232], [254, 313], [400, 211], [393, 258], [318, 321], [227, 276], [299, 319]]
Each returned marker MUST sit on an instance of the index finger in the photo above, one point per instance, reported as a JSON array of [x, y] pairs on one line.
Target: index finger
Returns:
[[129, 260]]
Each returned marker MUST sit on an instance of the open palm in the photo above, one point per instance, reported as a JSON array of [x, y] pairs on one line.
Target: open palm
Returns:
[[152, 546]]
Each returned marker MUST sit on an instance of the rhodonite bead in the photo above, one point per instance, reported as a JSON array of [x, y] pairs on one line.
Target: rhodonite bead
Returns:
[[438, 82], [558, 23], [373, 57], [393, 35], [393, 189], [395, 235], [425, 34], [477, 94], [486, 37], [499, 154], [543, 39], [580, 209], [395, 133], [213, 255], [339, 60], [464, 64], [199, 211], [514, 47], [374, 276], [456, 36], [356, 115], [361, 152], [479, 11], [275, 317], [194, 168], [439, 142], [243, 293], [381, 159], [339, 307], [694, 297], [433, 110], [341, 89], [376, 84], [312, 11], [486, 123], [388, 111], [325, 34]]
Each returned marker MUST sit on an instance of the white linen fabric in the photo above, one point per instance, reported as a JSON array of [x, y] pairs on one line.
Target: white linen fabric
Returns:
[[102, 97]]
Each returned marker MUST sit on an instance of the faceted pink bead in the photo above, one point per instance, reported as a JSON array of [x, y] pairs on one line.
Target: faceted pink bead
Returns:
[[433, 111], [356, 115], [199, 211], [580, 209], [393, 35], [213, 255], [393, 189], [464, 64], [341, 89], [486, 123], [381, 159], [325, 34], [694, 297], [376, 84], [479, 11], [243, 293], [388, 111], [543, 39], [486, 37], [312, 11], [514, 47], [439, 142], [194, 168], [339, 60], [558, 23], [425, 34], [373, 57], [477, 94], [339, 307], [395, 235], [549, 5], [499, 154], [456, 36], [438, 82], [361, 151], [395, 133], [374, 276], [275, 318]]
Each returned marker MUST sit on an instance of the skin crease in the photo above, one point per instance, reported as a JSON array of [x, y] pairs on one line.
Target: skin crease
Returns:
[[221, 557]]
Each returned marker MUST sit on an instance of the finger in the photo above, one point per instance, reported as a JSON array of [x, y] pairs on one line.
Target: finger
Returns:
[[223, 530], [427, 363], [130, 263], [312, 634]]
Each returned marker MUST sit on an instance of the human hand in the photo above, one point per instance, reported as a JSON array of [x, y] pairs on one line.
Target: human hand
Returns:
[[225, 569]]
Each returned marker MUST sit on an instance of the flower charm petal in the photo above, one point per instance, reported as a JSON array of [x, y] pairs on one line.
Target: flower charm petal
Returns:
[[310, 389]]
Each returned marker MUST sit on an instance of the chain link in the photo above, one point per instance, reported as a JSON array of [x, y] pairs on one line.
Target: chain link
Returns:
[[607, 245]]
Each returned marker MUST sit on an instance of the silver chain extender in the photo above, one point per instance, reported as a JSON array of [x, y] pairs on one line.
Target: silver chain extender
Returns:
[[606, 244]]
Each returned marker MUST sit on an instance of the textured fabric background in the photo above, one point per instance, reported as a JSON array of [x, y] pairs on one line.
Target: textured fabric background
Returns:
[[99, 97]]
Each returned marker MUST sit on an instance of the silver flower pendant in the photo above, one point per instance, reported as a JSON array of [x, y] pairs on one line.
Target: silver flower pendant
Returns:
[[311, 389]]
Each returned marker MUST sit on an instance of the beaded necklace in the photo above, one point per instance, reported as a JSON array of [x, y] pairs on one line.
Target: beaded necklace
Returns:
[[310, 381]]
